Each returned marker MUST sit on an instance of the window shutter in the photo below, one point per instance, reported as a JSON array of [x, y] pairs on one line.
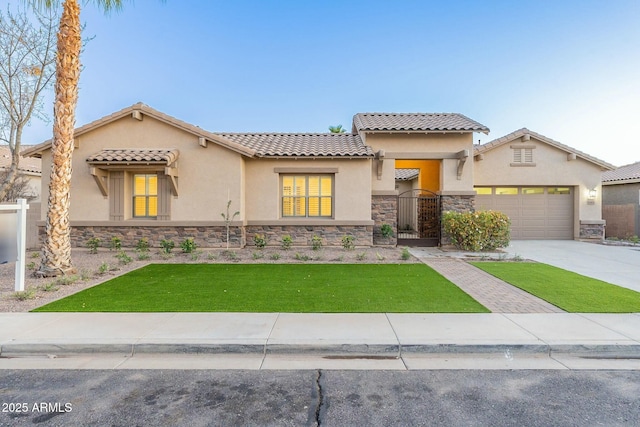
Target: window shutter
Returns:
[[164, 198], [517, 155], [116, 196], [528, 155]]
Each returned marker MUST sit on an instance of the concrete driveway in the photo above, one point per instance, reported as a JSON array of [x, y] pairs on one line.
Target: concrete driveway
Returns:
[[619, 265]]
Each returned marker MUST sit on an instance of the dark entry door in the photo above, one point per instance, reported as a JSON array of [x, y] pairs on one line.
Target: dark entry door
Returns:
[[418, 218]]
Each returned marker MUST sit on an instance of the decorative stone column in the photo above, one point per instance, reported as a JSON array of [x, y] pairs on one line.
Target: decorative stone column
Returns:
[[384, 210]]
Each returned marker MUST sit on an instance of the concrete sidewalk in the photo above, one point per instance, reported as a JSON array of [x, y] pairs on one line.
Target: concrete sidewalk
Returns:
[[339, 335]]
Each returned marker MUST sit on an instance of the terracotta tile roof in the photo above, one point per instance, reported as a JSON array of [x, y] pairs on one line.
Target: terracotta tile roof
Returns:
[[301, 144], [479, 149], [119, 156], [27, 164], [406, 174], [421, 122], [623, 173]]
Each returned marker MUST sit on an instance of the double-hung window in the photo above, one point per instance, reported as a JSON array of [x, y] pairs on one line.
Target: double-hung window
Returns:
[[145, 196], [307, 196]]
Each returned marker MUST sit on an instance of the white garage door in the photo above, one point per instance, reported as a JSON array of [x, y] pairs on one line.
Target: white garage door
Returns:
[[535, 212]]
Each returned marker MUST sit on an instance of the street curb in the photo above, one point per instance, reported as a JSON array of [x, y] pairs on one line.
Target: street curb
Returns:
[[613, 351]]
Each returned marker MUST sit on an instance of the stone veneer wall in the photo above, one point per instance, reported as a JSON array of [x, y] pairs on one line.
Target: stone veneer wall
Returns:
[[592, 230], [205, 237], [384, 210], [301, 235], [455, 203]]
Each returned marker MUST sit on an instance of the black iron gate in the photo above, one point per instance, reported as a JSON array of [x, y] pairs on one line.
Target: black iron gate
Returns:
[[418, 218]]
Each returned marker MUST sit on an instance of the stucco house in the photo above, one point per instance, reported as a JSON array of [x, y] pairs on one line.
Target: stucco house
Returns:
[[621, 201], [29, 167], [141, 173]]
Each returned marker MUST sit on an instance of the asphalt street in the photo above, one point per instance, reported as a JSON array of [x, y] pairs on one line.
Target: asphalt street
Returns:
[[318, 397]]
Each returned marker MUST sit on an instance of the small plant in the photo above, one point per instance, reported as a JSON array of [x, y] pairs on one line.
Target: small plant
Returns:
[[49, 287], [25, 295], [405, 255], [35, 255], [348, 242], [361, 256], [231, 255], [66, 280], [93, 244], [260, 241], [301, 257], [85, 275], [104, 267], [211, 256], [116, 244], [386, 230], [286, 242], [188, 245], [517, 258], [166, 255], [228, 219], [257, 255], [123, 257], [142, 245], [274, 256], [143, 256], [380, 256], [195, 255], [167, 245], [31, 266], [316, 242]]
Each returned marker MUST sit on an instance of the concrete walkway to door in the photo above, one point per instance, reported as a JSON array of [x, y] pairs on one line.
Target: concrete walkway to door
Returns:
[[493, 293]]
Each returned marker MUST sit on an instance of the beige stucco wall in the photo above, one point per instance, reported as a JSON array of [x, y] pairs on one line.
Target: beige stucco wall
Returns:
[[352, 188], [431, 145], [552, 168], [206, 177]]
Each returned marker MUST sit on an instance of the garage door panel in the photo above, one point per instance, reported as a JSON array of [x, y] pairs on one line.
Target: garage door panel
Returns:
[[533, 216]]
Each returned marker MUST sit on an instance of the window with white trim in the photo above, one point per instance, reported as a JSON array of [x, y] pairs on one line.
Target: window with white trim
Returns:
[[145, 196], [307, 196]]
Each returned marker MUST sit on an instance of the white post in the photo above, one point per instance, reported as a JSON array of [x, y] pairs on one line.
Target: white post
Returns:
[[21, 239], [22, 244]]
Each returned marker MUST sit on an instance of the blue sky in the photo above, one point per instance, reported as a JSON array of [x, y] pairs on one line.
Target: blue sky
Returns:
[[569, 70]]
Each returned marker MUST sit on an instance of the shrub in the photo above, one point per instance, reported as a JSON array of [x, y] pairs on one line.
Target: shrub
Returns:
[[123, 257], [93, 244], [477, 231], [316, 242], [257, 255], [405, 255], [25, 295], [142, 245], [167, 246], [260, 241], [386, 231], [348, 242], [274, 256], [104, 267], [361, 256], [286, 242], [143, 255], [188, 245], [116, 244]]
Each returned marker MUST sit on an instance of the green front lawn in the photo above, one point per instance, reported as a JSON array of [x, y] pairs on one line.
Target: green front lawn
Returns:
[[569, 291], [293, 288]]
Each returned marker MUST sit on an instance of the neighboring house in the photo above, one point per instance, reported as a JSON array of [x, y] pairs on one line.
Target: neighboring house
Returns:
[[141, 173], [548, 189], [621, 201], [29, 167]]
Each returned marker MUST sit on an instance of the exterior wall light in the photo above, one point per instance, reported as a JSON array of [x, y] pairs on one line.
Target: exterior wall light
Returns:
[[591, 196]]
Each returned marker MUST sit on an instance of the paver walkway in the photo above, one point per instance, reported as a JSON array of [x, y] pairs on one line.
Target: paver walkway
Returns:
[[493, 293]]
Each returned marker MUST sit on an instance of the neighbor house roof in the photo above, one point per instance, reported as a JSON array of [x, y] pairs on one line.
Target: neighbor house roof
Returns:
[[27, 164], [524, 131], [301, 144], [416, 122], [628, 173], [406, 174], [133, 156]]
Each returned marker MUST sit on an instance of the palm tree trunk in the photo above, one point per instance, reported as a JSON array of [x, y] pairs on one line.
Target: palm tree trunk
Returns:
[[56, 252]]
